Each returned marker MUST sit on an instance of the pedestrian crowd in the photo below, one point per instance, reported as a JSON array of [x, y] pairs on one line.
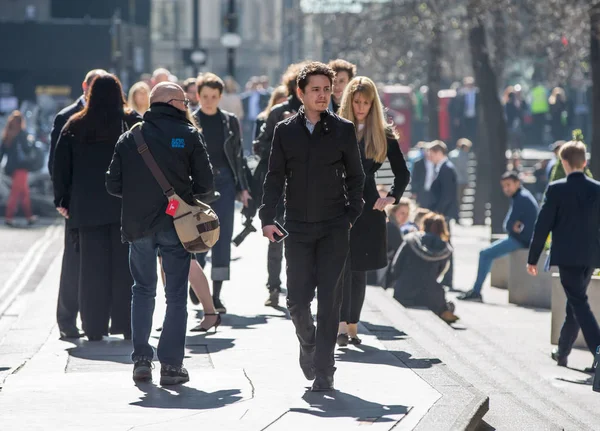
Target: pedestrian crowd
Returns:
[[303, 157]]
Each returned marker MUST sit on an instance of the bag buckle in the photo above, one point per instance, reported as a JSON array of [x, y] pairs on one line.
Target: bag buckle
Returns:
[[142, 148], [170, 192]]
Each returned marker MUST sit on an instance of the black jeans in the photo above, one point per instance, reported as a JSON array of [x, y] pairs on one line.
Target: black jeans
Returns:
[[448, 279], [355, 286], [105, 281], [274, 258], [68, 291], [575, 281], [316, 254]]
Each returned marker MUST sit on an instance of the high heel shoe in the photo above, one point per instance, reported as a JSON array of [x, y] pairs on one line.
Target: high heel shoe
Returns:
[[215, 325]]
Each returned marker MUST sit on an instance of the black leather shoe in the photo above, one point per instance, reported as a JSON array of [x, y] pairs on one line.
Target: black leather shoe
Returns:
[[307, 362], [94, 337], [561, 361], [71, 333], [323, 384], [273, 300]]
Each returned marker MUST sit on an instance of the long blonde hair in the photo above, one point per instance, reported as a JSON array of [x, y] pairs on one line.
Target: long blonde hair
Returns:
[[138, 86], [376, 130]]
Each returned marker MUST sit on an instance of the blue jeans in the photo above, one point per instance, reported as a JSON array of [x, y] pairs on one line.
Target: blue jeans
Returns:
[[176, 264], [225, 209], [496, 250]]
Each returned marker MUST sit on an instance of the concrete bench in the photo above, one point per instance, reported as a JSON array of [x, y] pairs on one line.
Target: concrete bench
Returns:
[[559, 308], [524, 289]]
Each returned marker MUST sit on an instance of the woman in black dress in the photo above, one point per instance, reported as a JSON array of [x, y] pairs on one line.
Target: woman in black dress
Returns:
[[83, 153], [368, 249]]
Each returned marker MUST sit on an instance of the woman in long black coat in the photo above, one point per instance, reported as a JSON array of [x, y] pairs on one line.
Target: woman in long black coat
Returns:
[[83, 153], [368, 238]]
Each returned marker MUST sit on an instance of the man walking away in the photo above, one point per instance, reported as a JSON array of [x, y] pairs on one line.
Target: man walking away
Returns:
[[68, 291], [315, 155], [518, 224], [460, 159], [571, 213], [178, 149]]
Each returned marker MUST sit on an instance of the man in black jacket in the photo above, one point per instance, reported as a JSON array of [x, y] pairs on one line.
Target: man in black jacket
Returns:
[[262, 148], [221, 130], [68, 291], [444, 196], [315, 155], [177, 147], [571, 213]]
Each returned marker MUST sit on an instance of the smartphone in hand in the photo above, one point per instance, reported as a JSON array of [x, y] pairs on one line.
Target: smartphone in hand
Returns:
[[279, 238]]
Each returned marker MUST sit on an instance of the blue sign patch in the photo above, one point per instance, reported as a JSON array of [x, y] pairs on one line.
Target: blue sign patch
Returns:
[[177, 143]]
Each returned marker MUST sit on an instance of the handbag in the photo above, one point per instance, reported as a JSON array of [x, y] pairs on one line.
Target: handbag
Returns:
[[30, 153], [197, 225]]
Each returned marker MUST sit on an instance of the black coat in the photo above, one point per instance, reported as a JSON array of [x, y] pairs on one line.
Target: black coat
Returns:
[[233, 146], [179, 151], [322, 171], [11, 151], [82, 155], [59, 122], [444, 197], [368, 237], [571, 212]]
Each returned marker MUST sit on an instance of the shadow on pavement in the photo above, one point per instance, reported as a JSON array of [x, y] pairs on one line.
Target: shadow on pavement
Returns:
[[587, 382], [364, 354], [109, 350], [383, 332], [185, 397], [200, 344], [339, 404]]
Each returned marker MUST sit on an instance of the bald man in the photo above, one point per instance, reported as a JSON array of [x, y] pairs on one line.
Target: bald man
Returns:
[[68, 293], [178, 148]]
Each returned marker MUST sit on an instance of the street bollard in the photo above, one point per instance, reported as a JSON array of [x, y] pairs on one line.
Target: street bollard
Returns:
[[596, 383]]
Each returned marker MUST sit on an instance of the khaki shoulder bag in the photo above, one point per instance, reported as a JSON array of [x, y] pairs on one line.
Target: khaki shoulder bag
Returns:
[[197, 225]]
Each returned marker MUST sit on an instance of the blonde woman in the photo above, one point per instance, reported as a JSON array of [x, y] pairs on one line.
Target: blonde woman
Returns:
[[139, 97], [368, 250]]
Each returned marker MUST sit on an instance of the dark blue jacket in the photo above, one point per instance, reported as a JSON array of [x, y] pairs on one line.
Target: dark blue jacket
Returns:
[[523, 208], [571, 212], [443, 192]]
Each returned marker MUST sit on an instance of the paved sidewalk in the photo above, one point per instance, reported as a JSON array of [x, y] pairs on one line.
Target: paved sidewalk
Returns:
[[244, 377]]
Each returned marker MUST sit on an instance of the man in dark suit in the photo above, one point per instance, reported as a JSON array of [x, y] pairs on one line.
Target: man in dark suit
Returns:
[[571, 212], [444, 197], [68, 294], [254, 101], [422, 177]]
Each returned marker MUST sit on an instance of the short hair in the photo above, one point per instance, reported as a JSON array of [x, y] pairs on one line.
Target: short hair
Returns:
[[403, 202], [510, 175], [290, 76], [160, 71], [436, 224], [438, 146], [314, 68], [340, 65], [574, 153], [188, 83], [210, 80], [420, 213], [422, 144], [464, 143], [89, 77]]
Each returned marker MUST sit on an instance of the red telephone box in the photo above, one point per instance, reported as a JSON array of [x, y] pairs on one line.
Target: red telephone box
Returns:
[[445, 127], [398, 101]]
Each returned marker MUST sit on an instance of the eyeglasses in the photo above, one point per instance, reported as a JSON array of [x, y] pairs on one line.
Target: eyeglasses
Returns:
[[186, 101]]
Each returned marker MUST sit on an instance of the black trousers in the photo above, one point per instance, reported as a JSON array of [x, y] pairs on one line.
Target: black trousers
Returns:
[[105, 282], [448, 279], [316, 254], [354, 288], [274, 263], [575, 281], [68, 291]]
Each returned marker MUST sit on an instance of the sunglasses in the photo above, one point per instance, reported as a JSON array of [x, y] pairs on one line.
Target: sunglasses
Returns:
[[186, 101]]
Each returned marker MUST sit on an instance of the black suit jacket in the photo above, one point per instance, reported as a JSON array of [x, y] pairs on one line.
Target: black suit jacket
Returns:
[[263, 101], [571, 212], [59, 122], [444, 192], [417, 180]]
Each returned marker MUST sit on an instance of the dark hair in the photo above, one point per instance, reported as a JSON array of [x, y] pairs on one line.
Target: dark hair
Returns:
[[106, 102], [510, 175], [436, 224], [291, 75], [340, 65], [438, 146], [574, 153], [187, 83], [313, 69], [210, 80]]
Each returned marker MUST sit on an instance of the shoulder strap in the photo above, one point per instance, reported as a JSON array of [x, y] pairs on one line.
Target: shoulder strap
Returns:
[[142, 148]]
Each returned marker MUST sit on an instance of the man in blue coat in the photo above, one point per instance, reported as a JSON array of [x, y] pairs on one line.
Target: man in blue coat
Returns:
[[571, 212], [518, 224]]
